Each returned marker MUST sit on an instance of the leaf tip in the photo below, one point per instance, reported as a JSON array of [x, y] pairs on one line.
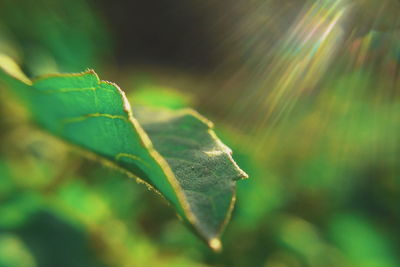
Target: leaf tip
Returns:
[[243, 174], [215, 244], [9, 66], [90, 71]]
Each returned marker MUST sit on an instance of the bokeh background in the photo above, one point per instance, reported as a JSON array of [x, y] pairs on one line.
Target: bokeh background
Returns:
[[305, 92]]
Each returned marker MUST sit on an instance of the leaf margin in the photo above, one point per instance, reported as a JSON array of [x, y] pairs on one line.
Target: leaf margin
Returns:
[[214, 242]]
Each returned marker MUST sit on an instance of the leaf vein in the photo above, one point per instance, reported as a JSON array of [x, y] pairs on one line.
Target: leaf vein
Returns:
[[93, 115]]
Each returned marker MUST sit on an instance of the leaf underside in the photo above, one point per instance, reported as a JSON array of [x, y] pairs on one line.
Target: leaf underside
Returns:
[[174, 152]]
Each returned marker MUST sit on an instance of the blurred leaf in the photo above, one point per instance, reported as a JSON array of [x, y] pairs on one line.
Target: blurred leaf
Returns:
[[16, 208], [6, 183], [87, 204], [175, 153], [362, 243], [304, 240], [14, 253], [155, 96], [63, 35], [49, 236]]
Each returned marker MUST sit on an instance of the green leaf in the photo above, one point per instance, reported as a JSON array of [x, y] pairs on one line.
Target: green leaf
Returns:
[[176, 153]]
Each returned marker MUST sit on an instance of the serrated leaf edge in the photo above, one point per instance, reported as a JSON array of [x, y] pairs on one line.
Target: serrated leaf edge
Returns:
[[213, 242]]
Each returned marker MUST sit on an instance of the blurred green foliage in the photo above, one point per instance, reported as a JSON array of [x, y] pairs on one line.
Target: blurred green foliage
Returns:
[[324, 184], [54, 36]]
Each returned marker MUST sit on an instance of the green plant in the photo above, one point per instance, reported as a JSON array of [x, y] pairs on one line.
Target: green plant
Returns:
[[176, 153]]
